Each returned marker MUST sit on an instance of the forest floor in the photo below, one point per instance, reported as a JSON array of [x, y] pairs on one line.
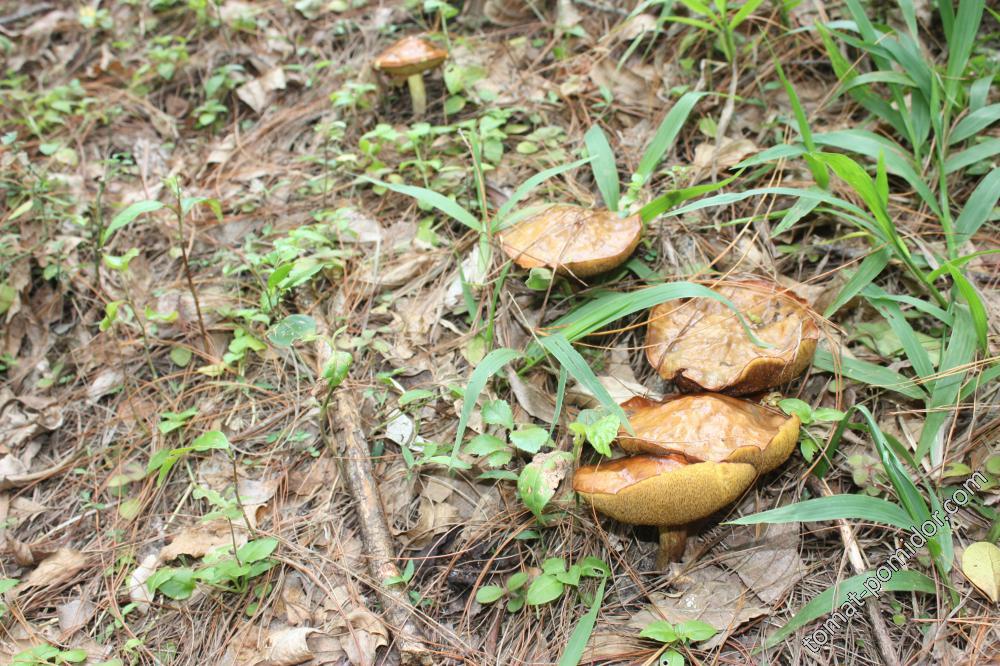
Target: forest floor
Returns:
[[214, 284]]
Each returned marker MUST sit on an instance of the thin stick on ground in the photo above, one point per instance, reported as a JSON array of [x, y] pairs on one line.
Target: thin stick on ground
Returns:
[[886, 648], [375, 536]]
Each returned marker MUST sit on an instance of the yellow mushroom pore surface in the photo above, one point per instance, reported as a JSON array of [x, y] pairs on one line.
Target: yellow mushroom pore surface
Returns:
[[650, 490], [572, 239], [712, 428], [702, 343]]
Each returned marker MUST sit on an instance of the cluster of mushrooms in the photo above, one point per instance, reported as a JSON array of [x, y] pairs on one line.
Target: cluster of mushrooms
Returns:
[[690, 455]]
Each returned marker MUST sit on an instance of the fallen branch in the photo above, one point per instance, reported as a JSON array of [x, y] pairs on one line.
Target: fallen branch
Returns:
[[882, 639], [375, 532]]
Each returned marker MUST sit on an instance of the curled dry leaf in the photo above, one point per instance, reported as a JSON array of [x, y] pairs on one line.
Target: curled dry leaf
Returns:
[[701, 344], [770, 563], [287, 647], [574, 240], [56, 569]]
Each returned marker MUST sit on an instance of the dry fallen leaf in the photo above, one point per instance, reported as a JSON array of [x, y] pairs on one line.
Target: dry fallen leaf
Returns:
[[199, 540], [710, 595], [981, 565], [56, 569], [768, 564]]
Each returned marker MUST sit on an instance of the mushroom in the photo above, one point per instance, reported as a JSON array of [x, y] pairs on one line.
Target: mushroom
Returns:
[[702, 346], [408, 59], [698, 453], [666, 491], [709, 427], [573, 240]]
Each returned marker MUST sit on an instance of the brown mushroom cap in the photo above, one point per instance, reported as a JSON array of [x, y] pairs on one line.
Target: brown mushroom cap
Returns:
[[701, 345], [662, 490], [410, 55], [711, 428], [574, 240]]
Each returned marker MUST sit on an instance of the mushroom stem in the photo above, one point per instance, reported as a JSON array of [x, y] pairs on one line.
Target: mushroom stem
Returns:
[[416, 84], [672, 540]]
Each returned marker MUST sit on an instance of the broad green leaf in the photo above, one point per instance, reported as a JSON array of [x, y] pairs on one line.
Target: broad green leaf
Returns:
[[660, 630], [543, 589], [529, 438], [213, 439], [127, 216], [696, 630], [498, 412], [291, 329], [912, 346], [336, 369], [257, 550], [536, 484], [487, 594]]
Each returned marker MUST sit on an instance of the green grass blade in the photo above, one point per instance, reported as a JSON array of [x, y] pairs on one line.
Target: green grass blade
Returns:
[[577, 367], [872, 146], [977, 309], [868, 373], [974, 123], [434, 200], [957, 354], [871, 267], [665, 202], [979, 207], [909, 496], [578, 640], [489, 366], [914, 350], [969, 156], [961, 39], [792, 215], [666, 134], [612, 306], [849, 507], [603, 165], [832, 598], [525, 188]]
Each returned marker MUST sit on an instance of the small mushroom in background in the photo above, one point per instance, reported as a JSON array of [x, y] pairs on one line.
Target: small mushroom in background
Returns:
[[701, 345], [572, 240], [698, 453], [666, 491], [408, 59]]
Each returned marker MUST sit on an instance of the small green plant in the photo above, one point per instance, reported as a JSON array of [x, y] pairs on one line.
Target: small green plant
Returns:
[[171, 421], [809, 444], [164, 460], [683, 633], [545, 586], [223, 569], [46, 655]]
